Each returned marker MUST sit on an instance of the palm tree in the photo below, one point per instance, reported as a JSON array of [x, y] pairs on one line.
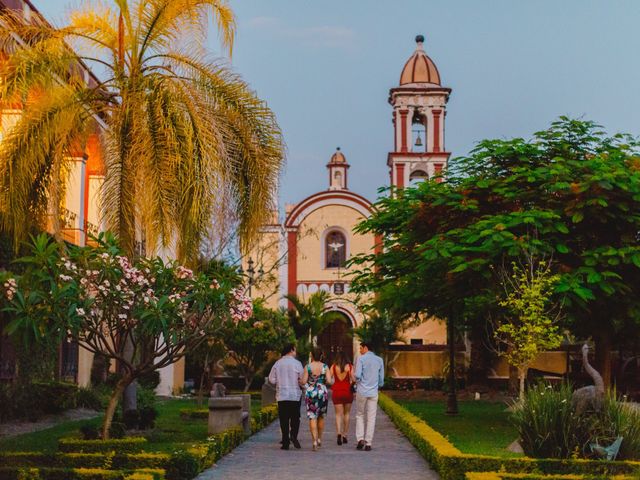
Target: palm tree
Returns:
[[309, 319], [182, 135]]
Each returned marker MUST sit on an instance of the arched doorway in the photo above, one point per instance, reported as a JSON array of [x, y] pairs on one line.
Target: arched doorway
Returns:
[[336, 338]]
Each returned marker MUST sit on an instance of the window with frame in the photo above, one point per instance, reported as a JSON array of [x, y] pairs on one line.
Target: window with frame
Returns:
[[335, 245]]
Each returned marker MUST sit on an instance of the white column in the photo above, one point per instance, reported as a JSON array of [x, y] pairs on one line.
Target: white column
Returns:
[[74, 199], [94, 215], [428, 112], [410, 128]]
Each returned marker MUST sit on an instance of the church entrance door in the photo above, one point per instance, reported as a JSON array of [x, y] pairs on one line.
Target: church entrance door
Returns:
[[336, 338]]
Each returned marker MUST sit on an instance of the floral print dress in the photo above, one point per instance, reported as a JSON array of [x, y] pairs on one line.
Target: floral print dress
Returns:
[[316, 396]]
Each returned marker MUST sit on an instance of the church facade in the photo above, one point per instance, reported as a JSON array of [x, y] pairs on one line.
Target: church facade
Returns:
[[307, 250]]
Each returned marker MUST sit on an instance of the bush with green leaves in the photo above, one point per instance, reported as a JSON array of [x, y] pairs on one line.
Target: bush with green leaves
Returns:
[[549, 427], [249, 343], [546, 422]]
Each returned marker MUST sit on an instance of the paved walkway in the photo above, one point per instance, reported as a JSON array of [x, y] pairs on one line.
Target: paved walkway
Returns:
[[260, 457]]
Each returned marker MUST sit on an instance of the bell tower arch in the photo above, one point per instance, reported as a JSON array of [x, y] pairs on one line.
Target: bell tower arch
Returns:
[[419, 110]]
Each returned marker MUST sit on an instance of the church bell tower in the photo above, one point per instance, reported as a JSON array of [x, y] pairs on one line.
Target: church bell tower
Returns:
[[338, 167], [419, 111]]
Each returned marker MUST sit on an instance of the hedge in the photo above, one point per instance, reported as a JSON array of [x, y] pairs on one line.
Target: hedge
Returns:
[[194, 413], [120, 459], [27, 473], [452, 464], [186, 464], [534, 476], [108, 460], [121, 445]]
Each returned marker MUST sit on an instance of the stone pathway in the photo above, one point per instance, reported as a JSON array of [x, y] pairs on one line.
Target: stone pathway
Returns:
[[260, 456]]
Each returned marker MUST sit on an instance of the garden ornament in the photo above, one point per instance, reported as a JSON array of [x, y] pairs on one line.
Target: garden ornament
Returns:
[[590, 397], [218, 390], [610, 452]]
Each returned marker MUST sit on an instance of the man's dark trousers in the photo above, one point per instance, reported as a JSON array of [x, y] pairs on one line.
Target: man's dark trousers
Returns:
[[289, 413]]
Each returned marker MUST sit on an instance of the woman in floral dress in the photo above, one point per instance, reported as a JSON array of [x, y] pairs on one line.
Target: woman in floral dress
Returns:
[[316, 377]]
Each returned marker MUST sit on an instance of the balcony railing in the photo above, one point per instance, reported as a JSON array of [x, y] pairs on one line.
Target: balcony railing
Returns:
[[91, 229]]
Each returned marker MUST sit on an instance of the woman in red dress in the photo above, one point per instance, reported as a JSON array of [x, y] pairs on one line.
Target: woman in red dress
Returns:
[[342, 394]]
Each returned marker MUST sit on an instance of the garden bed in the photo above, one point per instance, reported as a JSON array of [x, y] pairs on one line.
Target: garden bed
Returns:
[[170, 431], [452, 464], [176, 449], [481, 427]]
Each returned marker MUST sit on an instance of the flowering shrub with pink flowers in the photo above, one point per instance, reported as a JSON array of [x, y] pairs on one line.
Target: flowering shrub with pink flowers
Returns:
[[145, 314]]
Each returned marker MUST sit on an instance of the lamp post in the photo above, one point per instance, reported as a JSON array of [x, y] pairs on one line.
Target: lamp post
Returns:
[[251, 274]]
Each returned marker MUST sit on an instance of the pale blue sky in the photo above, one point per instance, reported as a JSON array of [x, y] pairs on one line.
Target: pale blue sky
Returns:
[[325, 68]]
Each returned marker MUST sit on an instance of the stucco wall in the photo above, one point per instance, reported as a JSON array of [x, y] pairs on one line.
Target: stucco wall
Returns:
[[311, 245]]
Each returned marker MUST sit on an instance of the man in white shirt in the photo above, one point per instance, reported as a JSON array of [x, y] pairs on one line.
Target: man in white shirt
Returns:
[[285, 375]]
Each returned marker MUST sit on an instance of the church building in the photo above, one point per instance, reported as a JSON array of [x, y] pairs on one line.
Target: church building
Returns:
[[308, 249]]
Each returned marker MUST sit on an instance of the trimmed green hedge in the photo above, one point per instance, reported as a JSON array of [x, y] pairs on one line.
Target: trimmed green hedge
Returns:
[[534, 476], [108, 460], [120, 459], [452, 464], [121, 445], [186, 464], [194, 413], [27, 473]]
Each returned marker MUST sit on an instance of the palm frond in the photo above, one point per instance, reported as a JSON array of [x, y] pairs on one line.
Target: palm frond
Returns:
[[184, 139], [33, 155]]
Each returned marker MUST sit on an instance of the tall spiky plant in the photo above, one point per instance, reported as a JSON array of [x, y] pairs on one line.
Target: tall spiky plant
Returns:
[[182, 135]]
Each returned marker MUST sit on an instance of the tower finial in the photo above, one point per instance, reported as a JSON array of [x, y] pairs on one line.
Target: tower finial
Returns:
[[338, 148], [419, 38]]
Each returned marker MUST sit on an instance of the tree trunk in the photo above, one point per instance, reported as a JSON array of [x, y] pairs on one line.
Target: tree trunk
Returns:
[[130, 398], [603, 356], [202, 380], [513, 381], [522, 377], [112, 405], [248, 373], [478, 358]]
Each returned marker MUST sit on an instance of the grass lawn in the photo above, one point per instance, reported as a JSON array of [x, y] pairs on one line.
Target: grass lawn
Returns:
[[480, 427], [171, 430]]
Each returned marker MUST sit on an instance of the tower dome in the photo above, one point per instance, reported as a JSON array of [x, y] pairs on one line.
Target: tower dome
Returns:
[[419, 68], [338, 157]]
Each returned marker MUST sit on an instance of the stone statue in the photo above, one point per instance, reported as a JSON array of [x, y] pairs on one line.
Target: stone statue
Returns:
[[589, 398], [218, 390]]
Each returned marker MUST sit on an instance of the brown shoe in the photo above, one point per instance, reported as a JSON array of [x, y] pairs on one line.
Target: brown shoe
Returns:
[[367, 448], [360, 445], [339, 439]]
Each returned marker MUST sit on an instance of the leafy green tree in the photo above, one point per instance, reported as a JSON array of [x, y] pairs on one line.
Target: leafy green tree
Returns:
[[529, 325], [309, 319], [249, 343], [571, 192], [381, 328]]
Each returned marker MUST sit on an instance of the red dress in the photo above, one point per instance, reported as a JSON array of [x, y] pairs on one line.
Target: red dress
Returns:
[[341, 389]]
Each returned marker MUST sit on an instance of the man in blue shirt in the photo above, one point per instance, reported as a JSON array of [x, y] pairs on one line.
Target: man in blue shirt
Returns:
[[369, 378]]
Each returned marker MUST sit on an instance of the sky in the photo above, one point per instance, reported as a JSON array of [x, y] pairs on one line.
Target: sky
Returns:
[[325, 68]]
